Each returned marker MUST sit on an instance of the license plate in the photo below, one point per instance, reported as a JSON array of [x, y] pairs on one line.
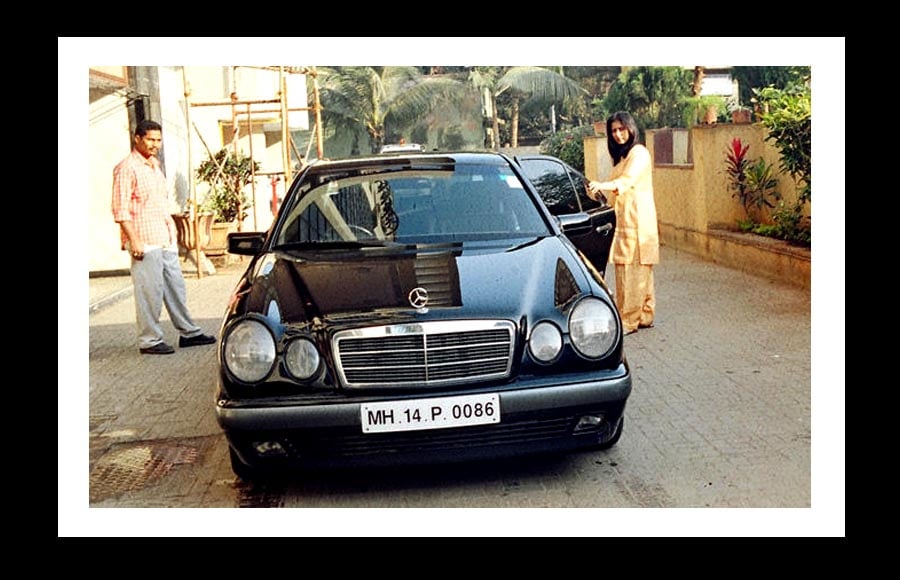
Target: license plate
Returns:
[[439, 413]]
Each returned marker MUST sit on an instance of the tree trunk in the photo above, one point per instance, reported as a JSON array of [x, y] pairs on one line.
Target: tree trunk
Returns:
[[697, 86], [514, 123], [377, 137], [495, 128]]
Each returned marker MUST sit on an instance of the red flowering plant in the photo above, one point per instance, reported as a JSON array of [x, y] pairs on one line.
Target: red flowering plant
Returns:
[[753, 183], [736, 164]]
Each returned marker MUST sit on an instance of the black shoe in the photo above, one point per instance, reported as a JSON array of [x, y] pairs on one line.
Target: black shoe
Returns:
[[184, 341], [158, 348]]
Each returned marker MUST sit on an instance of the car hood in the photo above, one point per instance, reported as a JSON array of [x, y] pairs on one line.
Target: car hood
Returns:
[[485, 279]]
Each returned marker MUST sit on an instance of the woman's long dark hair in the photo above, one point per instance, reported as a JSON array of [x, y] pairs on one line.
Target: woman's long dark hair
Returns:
[[616, 151]]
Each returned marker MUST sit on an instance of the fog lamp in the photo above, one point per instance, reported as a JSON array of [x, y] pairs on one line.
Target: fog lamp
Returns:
[[588, 423], [268, 448]]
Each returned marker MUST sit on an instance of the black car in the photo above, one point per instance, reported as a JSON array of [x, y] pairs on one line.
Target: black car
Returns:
[[417, 308]]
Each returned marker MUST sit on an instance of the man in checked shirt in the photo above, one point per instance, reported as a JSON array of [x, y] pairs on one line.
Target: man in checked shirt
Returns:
[[140, 205]]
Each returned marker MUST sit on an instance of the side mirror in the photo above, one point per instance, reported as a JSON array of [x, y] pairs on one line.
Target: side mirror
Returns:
[[246, 243]]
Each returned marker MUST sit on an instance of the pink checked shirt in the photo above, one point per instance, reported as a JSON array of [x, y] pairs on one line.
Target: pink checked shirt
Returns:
[[140, 196]]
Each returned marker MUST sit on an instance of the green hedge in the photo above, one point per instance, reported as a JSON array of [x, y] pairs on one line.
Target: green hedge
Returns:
[[568, 145]]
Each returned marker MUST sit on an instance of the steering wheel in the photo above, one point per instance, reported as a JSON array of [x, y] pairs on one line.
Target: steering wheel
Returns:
[[361, 232]]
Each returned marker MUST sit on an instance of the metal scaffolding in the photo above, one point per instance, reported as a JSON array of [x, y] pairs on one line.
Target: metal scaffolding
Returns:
[[248, 108]]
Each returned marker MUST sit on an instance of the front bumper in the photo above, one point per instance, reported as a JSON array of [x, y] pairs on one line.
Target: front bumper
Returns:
[[534, 419]]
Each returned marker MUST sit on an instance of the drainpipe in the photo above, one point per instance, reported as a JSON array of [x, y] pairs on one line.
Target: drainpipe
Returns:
[[285, 131], [195, 211]]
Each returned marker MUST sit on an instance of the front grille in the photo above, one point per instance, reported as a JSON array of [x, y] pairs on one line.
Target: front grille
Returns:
[[439, 353]]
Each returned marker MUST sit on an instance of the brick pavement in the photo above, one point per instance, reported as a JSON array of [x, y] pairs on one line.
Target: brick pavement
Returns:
[[721, 402]]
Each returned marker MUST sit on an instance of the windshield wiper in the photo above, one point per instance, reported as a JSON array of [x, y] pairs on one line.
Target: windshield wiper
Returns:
[[337, 245]]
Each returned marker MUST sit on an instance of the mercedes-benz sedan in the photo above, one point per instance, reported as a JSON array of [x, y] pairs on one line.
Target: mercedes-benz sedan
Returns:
[[417, 308]]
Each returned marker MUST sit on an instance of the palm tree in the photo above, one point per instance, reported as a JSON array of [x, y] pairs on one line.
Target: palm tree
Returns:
[[522, 82], [364, 103], [697, 85], [486, 79]]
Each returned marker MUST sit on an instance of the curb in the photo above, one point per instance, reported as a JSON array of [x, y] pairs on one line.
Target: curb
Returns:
[[111, 299]]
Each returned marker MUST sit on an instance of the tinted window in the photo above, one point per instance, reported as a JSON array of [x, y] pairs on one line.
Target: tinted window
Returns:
[[553, 184], [563, 189], [410, 205], [580, 184]]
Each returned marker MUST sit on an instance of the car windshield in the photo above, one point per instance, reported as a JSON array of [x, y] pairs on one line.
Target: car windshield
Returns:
[[390, 204]]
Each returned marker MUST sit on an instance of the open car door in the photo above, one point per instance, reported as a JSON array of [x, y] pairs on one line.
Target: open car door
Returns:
[[564, 191]]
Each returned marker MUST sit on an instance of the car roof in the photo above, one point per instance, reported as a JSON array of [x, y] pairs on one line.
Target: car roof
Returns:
[[430, 158]]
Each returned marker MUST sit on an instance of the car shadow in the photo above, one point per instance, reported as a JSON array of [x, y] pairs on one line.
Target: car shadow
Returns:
[[499, 476]]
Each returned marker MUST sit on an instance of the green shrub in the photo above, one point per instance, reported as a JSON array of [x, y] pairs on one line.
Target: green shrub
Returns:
[[787, 116], [761, 185], [568, 145], [791, 224], [227, 173], [225, 205], [656, 96]]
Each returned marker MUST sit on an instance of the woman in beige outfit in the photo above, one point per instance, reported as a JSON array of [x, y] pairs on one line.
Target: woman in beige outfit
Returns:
[[635, 247]]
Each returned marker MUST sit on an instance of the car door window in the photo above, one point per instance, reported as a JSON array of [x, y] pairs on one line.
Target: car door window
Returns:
[[580, 184], [554, 184]]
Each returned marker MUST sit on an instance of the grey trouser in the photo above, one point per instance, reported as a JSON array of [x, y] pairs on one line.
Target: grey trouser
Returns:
[[157, 280]]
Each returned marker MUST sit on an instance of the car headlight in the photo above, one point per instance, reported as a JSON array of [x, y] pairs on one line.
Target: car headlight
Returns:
[[593, 328], [546, 342], [301, 358], [248, 351]]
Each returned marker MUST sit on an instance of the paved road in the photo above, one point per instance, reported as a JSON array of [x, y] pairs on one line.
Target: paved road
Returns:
[[719, 418]]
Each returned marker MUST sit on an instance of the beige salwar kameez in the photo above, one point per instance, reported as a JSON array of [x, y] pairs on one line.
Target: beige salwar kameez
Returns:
[[635, 246]]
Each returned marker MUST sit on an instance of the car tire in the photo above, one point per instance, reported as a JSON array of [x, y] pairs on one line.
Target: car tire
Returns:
[[614, 439]]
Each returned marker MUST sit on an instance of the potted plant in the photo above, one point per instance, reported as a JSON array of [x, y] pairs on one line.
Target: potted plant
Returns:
[[741, 115], [702, 110], [226, 174]]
